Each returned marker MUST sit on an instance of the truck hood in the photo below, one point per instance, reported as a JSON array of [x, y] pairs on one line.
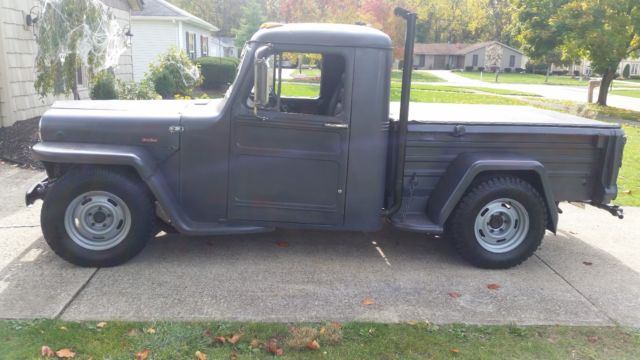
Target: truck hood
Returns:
[[148, 123]]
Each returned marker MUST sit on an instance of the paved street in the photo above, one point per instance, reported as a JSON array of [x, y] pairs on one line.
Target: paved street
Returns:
[[558, 92], [589, 273]]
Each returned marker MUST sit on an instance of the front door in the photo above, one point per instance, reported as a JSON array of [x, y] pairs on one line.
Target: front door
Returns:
[[288, 162]]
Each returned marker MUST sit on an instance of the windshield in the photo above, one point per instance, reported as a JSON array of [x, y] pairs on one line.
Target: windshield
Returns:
[[239, 69]]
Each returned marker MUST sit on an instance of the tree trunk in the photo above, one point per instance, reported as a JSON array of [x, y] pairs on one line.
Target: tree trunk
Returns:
[[74, 90], [607, 78], [546, 78]]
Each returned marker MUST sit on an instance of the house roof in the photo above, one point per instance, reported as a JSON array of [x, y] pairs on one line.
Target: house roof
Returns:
[[453, 49], [163, 10]]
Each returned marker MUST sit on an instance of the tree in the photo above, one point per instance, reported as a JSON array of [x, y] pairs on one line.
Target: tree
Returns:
[[70, 35], [605, 32], [540, 37], [250, 23]]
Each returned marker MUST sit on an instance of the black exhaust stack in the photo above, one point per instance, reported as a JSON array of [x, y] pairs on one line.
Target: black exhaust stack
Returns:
[[403, 122]]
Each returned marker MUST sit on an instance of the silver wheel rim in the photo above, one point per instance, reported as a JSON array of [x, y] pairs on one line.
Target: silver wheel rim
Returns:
[[501, 225], [97, 220]]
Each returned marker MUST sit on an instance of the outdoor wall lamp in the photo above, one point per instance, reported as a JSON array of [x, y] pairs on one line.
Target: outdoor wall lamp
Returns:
[[33, 17], [129, 35]]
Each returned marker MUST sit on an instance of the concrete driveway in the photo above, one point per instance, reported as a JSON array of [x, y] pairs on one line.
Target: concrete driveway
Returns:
[[588, 274], [557, 92]]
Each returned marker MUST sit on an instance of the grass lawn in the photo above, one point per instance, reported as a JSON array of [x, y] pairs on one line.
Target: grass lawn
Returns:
[[181, 340], [512, 78], [629, 177], [420, 76], [631, 93]]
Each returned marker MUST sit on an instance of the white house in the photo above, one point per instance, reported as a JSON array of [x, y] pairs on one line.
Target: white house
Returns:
[[159, 25], [18, 48], [440, 56]]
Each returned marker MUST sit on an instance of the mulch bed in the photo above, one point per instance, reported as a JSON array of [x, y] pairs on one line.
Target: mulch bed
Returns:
[[16, 142]]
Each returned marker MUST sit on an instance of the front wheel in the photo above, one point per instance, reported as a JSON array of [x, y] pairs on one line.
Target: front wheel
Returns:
[[499, 223], [97, 216]]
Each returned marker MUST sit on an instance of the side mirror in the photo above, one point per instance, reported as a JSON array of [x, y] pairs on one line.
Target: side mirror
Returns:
[[261, 76]]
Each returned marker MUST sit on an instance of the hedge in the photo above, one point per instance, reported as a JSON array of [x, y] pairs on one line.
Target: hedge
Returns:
[[217, 71]]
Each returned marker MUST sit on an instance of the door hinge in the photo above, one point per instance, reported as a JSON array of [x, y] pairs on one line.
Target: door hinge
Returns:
[[176, 129]]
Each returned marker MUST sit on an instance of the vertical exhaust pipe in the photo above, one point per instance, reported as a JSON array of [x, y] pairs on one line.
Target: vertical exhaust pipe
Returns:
[[403, 121]]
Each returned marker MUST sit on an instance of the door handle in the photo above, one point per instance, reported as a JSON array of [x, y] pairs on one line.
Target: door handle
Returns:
[[336, 125]]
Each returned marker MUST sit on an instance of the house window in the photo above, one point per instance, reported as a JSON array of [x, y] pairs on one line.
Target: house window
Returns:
[[191, 45], [512, 61], [204, 45], [79, 76], [634, 69], [474, 62]]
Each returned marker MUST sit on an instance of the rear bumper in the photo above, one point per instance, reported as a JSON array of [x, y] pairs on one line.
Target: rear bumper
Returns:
[[37, 191]]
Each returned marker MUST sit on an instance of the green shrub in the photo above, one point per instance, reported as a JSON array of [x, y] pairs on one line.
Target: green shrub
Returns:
[[130, 90], [627, 71], [174, 74], [217, 72], [103, 86], [468, 68]]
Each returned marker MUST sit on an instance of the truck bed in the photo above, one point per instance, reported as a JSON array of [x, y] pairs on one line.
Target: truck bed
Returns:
[[493, 115], [581, 157]]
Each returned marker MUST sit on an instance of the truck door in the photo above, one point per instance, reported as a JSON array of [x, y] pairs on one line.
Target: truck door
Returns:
[[288, 161]]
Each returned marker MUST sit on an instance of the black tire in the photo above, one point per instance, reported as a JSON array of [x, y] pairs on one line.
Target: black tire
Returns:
[[76, 182], [462, 225]]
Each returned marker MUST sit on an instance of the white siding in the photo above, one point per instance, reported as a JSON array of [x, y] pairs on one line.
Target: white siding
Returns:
[[18, 98], [151, 38]]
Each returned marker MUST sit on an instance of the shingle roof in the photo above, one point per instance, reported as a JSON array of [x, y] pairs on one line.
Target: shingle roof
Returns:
[[161, 8], [452, 49]]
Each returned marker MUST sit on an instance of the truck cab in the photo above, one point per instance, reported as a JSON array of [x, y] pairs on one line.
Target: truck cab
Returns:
[[264, 157]]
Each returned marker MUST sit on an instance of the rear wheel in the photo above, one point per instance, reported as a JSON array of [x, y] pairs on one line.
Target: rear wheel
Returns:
[[97, 217], [499, 223]]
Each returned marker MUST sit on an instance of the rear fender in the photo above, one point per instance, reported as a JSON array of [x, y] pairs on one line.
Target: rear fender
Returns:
[[467, 167]]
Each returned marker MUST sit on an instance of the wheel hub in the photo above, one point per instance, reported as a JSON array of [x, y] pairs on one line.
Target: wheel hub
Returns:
[[97, 220], [501, 225]]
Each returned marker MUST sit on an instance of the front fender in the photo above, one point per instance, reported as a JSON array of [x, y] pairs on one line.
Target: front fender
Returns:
[[96, 154], [466, 167]]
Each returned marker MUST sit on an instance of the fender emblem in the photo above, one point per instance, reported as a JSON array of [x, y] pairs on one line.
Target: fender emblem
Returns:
[[149, 140], [176, 129]]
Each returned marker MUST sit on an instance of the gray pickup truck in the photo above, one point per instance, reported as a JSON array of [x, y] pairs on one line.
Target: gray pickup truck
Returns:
[[118, 172]]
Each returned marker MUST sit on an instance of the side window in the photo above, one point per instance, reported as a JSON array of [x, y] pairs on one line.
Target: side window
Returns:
[[301, 75], [475, 60], [512, 61], [306, 83]]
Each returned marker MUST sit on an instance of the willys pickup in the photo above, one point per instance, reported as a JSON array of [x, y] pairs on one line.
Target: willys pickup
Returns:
[[118, 172]]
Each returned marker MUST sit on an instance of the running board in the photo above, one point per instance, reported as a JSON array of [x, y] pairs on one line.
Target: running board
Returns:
[[416, 223]]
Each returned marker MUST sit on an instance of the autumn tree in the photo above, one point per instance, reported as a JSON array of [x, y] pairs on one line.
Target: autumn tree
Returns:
[[70, 35]]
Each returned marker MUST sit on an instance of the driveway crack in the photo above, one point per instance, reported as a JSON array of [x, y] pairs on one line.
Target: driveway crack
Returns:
[[613, 321], [76, 294]]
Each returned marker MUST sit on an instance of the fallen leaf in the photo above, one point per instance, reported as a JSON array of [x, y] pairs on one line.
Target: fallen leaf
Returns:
[[133, 332], [235, 338], [63, 328], [207, 333], [101, 325], [150, 330], [454, 294], [455, 351], [46, 351], [233, 356], [220, 339], [273, 348], [367, 301], [336, 325], [282, 244], [65, 353], [313, 345], [142, 355], [588, 263], [592, 339], [254, 343], [201, 355], [322, 330], [493, 286], [412, 322]]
